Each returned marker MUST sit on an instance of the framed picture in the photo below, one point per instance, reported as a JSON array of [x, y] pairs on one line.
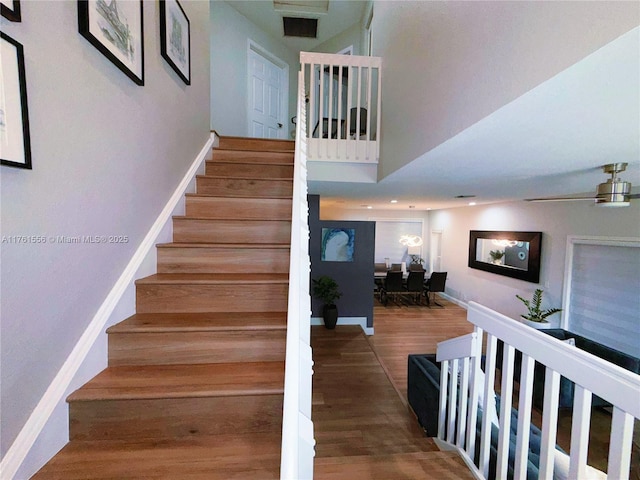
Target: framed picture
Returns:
[[15, 145], [10, 9], [115, 29], [338, 244], [175, 38]]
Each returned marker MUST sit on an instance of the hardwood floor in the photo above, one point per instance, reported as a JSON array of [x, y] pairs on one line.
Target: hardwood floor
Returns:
[[363, 428]]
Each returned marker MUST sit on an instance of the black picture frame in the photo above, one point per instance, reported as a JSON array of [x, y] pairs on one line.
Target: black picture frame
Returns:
[[14, 112], [175, 38], [116, 30], [532, 257], [12, 14]]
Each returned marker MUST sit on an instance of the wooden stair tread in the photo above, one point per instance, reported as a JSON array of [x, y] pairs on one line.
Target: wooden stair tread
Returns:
[[257, 197], [231, 220], [251, 161], [183, 381], [200, 322], [214, 278], [246, 177], [239, 456], [423, 465], [229, 246]]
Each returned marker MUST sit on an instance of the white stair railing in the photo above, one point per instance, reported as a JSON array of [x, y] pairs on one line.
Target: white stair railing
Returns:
[[459, 397], [297, 428], [343, 93]]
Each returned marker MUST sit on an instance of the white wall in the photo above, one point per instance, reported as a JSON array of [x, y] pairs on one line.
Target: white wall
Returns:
[[458, 74], [107, 155], [351, 36], [555, 220], [230, 32]]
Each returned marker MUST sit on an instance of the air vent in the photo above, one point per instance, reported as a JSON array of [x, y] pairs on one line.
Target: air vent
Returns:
[[300, 27]]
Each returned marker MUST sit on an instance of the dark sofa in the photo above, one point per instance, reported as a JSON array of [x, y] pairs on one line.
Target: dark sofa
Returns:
[[566, 386], [423, 393]]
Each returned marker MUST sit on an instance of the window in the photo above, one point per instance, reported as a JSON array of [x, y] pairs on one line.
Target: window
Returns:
[[602, 285]]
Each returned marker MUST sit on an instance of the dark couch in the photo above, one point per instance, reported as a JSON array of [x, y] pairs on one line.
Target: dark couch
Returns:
[[423, 393], [566, 386]]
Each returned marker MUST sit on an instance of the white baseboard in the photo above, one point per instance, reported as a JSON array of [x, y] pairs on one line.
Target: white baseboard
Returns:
[[451, 299], [362, 321], [54, 394]]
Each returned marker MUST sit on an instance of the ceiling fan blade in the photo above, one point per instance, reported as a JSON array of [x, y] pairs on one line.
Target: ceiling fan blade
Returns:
[[558, 199]]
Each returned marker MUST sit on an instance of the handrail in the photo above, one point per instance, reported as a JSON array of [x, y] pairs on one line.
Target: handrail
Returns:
[[344, 94], [296, 462], [459, 394]]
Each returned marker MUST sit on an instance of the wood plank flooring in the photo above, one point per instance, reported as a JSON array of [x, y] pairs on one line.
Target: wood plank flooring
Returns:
[[362, 427]]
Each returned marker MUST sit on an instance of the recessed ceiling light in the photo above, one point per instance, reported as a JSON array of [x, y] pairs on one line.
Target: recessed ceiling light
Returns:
[[369, 207], [394, 201], [429, 208], [471, 204]]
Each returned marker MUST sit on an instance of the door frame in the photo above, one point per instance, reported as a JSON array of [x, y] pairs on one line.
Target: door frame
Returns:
[[284, 102]]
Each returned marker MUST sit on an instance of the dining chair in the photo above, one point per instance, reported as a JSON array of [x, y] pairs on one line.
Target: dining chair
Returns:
[[392, 286], [435, 284], [415, 285]]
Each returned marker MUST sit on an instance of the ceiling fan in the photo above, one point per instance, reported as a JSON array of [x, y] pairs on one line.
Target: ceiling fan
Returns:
[[615, 192]]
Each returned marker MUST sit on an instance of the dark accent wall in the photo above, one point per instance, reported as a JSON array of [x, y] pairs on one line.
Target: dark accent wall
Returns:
[[354, 278]]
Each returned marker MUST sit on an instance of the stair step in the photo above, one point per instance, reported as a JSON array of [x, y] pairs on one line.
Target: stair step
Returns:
[[221, 154], [227, 258], [240, 208], [259, 144], [422, 465], [167, 293], [252, 456], [244, 187], [200, 322], [169, 401], [155, 339], [250, 170], [207, 230]]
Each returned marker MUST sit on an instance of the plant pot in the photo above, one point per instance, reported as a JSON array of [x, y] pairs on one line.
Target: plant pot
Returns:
[[330, 316], [538, 325]]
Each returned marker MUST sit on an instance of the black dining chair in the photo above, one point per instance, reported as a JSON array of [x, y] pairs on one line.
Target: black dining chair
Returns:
[[415, 285], [435, 284], [392, 286]]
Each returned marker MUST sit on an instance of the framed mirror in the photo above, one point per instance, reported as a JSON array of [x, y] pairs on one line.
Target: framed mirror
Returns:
[[512, 254]]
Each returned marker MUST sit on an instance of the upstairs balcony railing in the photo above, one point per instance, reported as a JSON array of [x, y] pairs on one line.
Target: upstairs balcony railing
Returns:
[[342, 95], [460, 392]]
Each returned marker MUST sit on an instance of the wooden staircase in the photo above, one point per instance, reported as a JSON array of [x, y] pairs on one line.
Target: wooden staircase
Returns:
[[195, 381]]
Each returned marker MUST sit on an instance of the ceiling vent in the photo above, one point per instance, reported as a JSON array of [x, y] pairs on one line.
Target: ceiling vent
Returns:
[[300, 27]]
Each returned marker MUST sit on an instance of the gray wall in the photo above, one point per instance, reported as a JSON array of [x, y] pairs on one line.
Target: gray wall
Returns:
[[230, 33], [354, 278], [107, 155]]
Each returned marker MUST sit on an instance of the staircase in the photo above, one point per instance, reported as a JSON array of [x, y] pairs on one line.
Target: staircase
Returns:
[[194, 386]]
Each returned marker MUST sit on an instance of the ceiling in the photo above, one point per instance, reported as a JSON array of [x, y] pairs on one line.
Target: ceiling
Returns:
[[339, 16], [550, 141]]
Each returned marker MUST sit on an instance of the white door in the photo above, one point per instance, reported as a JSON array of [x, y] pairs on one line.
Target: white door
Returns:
[[266, 93], [435, 258]]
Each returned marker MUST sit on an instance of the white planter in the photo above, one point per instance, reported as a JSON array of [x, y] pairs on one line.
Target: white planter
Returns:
[[538, 325]]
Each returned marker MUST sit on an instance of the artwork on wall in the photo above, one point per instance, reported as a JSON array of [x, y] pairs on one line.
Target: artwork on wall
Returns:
[[15, 144], [175, 38], [10, 9], [115, 29], [338, 244]]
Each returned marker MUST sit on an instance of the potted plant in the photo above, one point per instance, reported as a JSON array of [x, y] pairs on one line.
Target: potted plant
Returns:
[[536, 317], [496, 256], [326, 289]]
